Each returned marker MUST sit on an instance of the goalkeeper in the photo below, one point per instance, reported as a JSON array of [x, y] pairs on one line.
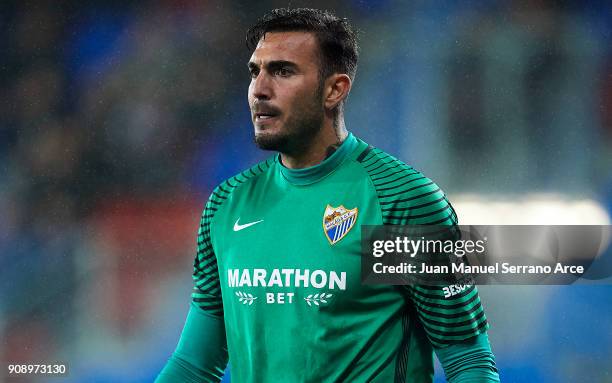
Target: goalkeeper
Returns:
[[277, 272]]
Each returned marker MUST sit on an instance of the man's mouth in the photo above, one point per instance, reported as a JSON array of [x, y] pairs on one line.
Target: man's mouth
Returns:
[[264, 117]]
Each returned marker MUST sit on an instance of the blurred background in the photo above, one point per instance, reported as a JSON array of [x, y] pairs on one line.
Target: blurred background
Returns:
[[117, 119]]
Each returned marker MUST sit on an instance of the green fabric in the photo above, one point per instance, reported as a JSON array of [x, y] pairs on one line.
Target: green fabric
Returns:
[[470, 361], [201, 354], [313, 174], [278, 258]]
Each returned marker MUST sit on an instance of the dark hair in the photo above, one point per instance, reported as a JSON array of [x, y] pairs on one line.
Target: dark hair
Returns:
[[337, 39]]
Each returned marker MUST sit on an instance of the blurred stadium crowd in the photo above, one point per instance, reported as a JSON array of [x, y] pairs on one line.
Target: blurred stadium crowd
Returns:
[[118, 118]]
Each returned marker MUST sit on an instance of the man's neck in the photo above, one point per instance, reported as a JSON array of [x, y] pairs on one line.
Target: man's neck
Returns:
[[322, 146]]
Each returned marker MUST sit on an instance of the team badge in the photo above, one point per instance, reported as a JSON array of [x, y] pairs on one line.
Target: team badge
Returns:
[[337, 222]]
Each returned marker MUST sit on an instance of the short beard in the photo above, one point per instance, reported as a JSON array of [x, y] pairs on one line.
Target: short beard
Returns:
[[299, 131]]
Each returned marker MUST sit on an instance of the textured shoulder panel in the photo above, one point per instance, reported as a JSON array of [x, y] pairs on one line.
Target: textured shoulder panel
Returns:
[[227, 187], [406, 196]]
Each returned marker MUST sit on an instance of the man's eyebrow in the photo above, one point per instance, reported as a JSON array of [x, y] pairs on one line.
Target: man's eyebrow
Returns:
[[281, 63], [273, 64]]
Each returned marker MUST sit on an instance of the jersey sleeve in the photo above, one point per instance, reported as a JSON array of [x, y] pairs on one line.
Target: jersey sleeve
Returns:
[[452, 319], [201, 354], [207, 289], [407, 197], [471, 361]]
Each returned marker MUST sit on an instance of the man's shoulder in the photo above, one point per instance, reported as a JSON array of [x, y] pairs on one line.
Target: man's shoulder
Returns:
[[405, 195], [224, 191], [384, 169]]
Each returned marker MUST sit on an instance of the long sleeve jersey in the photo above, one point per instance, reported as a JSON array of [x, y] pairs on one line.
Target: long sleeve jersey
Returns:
[[278, 268]]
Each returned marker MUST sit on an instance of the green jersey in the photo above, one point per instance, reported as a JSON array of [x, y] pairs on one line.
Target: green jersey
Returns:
[[279, 260]]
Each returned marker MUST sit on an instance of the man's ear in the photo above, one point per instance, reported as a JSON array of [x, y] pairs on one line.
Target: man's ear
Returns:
[[337, 88]]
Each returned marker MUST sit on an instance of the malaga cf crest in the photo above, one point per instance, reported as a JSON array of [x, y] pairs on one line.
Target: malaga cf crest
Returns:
[[337, 222]]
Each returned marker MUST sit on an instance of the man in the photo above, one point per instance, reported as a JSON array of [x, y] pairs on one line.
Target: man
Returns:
[[277, 271]]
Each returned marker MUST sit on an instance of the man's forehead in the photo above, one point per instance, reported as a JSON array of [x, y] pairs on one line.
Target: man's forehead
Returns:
[[289, 46]]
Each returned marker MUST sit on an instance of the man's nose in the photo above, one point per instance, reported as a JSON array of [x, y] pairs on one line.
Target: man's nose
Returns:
[[262, 87]]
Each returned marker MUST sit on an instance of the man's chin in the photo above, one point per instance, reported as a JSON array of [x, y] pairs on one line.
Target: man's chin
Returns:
[[271, 141]]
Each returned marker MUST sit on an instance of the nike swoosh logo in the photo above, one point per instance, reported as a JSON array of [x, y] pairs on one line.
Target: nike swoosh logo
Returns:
[[238, 227]]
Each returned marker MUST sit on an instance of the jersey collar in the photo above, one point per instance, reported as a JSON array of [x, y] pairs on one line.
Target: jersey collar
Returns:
[[315, 173]]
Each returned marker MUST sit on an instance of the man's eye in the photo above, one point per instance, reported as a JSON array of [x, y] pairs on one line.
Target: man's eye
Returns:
[[283, 72], [253, 73]]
